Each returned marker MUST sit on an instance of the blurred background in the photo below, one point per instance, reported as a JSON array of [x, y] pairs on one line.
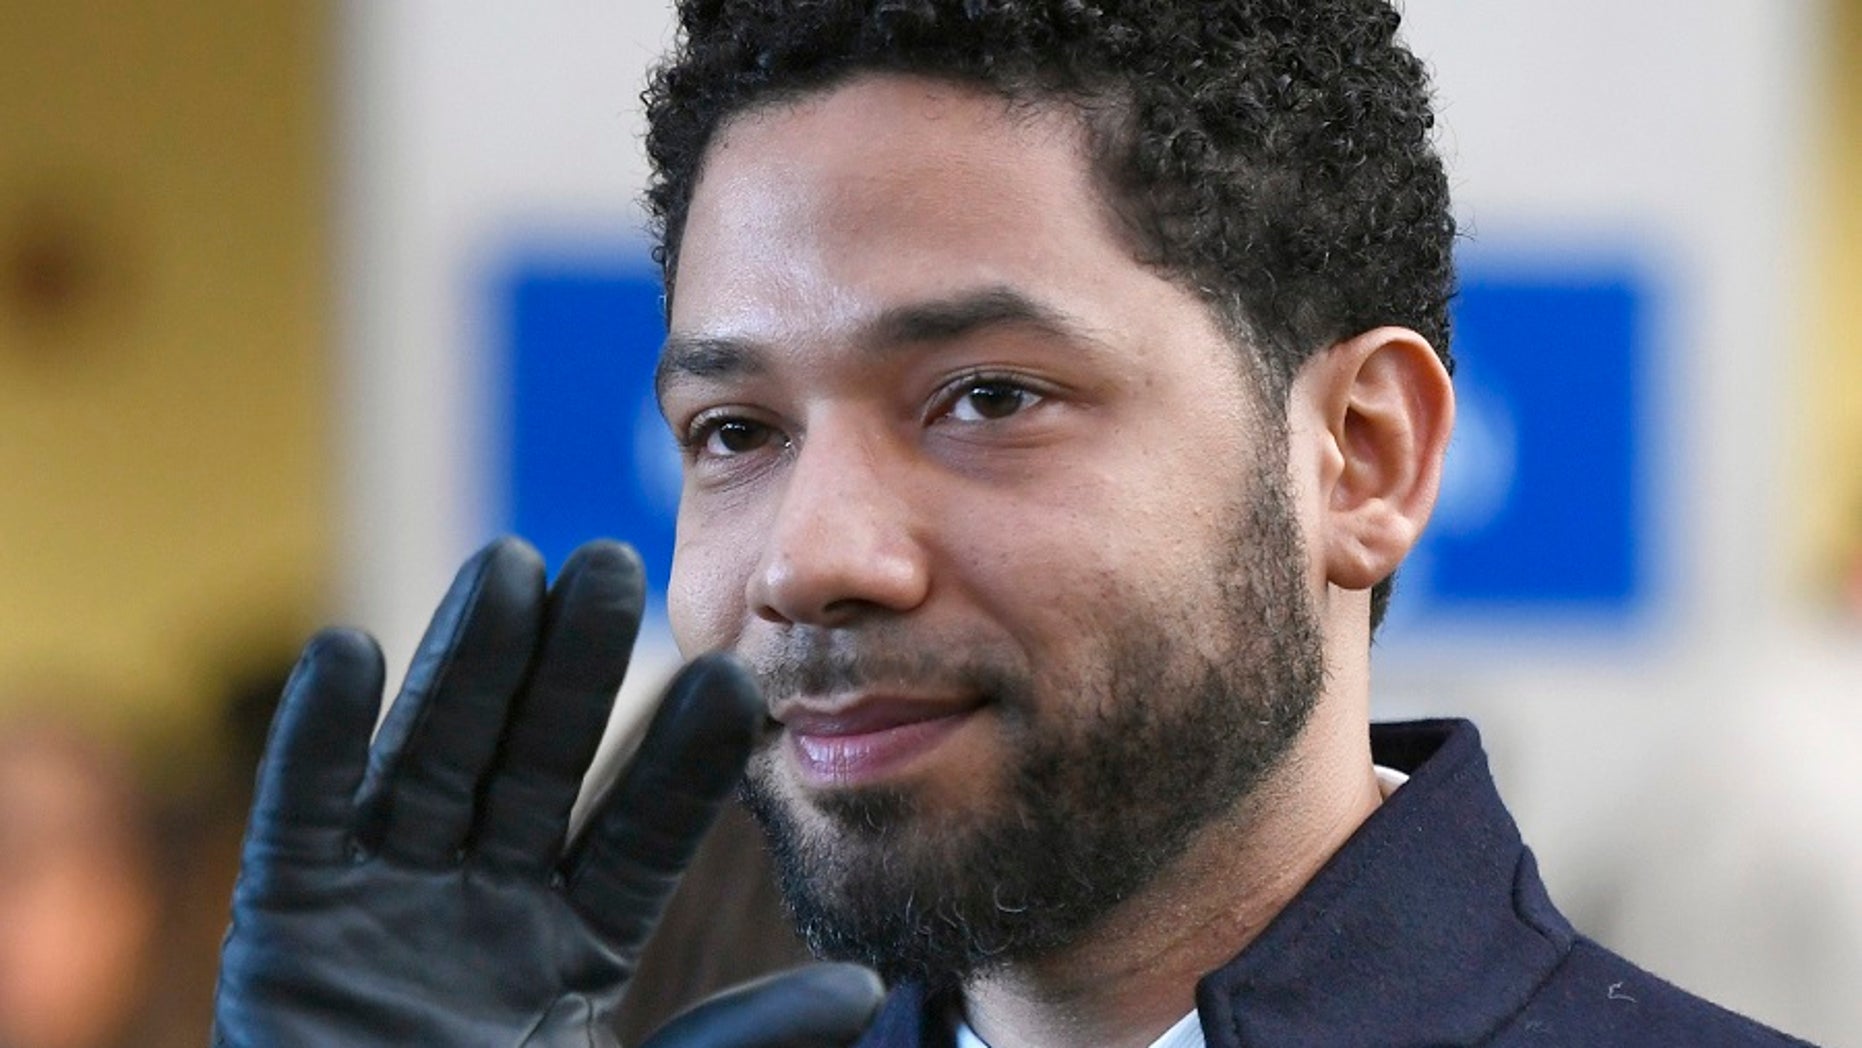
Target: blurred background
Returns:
[[301, 301]]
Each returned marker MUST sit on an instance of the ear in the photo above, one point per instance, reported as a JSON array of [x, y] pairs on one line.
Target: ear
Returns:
[[1380, 407]]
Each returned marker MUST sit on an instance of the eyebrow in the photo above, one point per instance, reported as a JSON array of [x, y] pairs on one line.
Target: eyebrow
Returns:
[[912, 324], [944, 320], [704, 357]]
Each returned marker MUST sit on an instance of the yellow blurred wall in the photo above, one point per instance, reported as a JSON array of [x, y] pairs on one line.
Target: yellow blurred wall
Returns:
[[1831, 467], [164, 364]]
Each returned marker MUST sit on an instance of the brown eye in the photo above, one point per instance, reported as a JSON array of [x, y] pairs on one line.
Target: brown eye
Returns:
[[736, 437], [988, 401]]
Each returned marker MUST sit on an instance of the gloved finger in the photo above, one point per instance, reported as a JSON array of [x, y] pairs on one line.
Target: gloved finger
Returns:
[[646, 829], [588, 633], [317, 749], [816, 1006], [440, 734]]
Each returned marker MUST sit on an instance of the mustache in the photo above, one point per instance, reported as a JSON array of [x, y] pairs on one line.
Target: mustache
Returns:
[[813, 664]]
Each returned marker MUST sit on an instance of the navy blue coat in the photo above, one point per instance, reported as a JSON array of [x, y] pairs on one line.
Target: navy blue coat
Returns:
[[1430, 927]]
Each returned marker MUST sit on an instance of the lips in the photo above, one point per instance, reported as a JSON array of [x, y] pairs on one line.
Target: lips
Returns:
[[867, 741]]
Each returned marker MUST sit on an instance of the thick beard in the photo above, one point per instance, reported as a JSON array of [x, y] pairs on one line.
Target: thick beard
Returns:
[[1108, 788]]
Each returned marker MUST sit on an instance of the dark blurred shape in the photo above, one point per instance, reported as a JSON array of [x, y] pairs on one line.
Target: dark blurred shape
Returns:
[[203, 830], [726, 924], [52, 264]]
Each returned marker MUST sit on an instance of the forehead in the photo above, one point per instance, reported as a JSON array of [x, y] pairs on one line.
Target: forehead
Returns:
[[885, 187]]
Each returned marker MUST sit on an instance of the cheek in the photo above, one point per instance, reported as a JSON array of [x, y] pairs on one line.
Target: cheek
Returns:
[[705, 597], [679, 608], [1048, 576], [1085, 566]]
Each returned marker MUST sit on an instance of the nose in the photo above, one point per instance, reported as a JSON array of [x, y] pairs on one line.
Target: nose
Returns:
[[844, 543]]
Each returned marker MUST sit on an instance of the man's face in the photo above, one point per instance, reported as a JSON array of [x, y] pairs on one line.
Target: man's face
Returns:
[[991, 508]]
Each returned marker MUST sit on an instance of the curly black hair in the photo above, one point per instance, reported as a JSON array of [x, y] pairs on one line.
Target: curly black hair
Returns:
[[1274, 156]]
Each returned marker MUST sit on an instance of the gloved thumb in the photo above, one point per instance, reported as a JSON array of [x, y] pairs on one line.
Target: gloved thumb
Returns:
[[815, 1006]]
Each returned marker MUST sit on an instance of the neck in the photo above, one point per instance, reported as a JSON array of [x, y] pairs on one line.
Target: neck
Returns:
[[1135, 973]]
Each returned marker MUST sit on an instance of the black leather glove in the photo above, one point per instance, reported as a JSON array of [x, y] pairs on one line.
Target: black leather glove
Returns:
[[417, 891]]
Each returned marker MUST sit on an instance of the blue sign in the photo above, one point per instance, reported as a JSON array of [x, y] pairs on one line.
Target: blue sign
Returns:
[[1543, 507], [589, 455]]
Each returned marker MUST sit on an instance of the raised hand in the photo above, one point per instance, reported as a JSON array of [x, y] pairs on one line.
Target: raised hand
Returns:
[[418, 891]]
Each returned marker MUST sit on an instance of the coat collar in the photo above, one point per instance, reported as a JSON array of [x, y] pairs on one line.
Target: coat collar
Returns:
[[1430, 926]]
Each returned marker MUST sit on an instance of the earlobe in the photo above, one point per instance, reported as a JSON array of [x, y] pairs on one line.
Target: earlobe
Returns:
[[1385, 407]]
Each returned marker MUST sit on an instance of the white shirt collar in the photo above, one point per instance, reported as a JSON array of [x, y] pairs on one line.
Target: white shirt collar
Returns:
[[1187, 1033]]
